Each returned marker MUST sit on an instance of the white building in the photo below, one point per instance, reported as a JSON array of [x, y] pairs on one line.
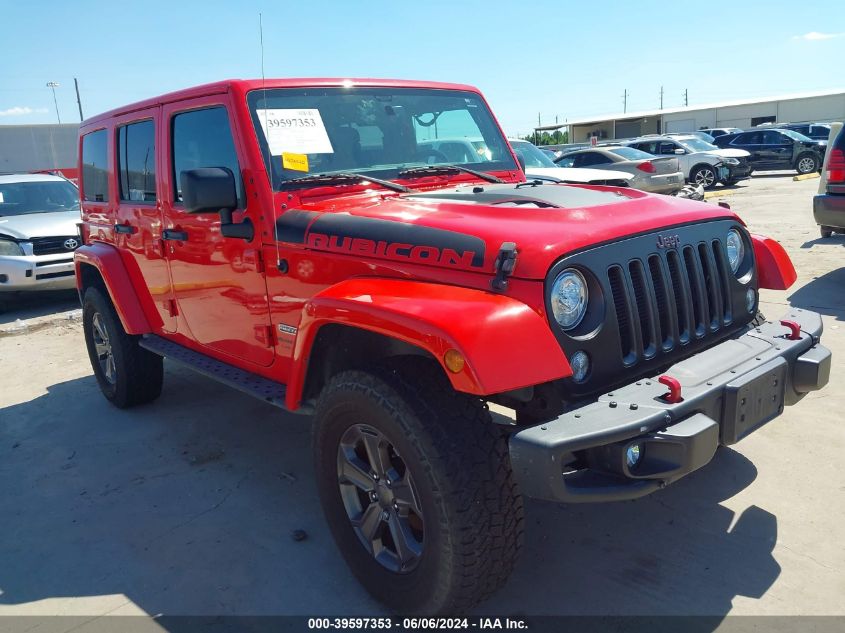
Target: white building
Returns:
[[810, 106]]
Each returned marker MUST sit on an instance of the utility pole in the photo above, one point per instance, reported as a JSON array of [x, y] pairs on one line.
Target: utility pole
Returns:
[[661, 97], [686, 96], [625, 100], [53, 85], [537, 132], [78, 101]]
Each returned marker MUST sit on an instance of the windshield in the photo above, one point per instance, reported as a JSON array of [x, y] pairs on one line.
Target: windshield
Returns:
[[46, 196], [796, 136], [532, 155], [697, 145], [378, 131]]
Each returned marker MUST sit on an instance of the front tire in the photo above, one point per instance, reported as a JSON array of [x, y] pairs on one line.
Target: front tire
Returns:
[[704, 175], [806, 164], [128, 374], [825, 231], [416, 485]]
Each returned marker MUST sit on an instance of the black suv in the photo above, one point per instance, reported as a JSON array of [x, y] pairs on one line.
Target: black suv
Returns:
[[815, 131], [777, 149], [829, 207]]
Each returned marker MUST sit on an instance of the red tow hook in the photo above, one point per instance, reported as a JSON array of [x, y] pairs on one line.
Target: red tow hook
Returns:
[[794, 329], [674, 395]]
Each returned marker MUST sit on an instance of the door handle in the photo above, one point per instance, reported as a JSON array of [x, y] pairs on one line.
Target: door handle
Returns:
[[171, 234], [125, 228]]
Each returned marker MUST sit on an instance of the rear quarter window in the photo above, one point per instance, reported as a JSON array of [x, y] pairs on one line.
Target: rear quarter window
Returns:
[[95, 171]]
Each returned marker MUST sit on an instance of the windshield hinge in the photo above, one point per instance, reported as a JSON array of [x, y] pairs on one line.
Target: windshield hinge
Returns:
[[505, 263]]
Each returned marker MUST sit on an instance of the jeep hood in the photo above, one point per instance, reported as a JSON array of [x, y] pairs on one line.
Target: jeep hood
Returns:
[[26, 226], [464, 227]]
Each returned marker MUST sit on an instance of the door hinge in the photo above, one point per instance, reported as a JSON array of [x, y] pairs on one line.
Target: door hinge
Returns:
[[264, 335], [172, 307], [255, 258]]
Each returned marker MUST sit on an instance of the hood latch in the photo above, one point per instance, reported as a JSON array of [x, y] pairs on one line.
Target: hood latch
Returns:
[[505, 263]]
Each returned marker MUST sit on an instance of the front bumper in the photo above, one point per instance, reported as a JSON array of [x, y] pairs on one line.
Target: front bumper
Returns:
[[829, 210], [37, 272], [738, 172], [728, 390]]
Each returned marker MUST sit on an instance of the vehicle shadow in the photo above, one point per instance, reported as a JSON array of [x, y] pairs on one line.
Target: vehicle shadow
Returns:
[[26, 305], [824, 294], [188, 506], [833, 239]]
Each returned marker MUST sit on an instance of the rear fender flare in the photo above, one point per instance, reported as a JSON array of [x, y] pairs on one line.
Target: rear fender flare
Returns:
[[135, 316], [774, 268], [506, 344]]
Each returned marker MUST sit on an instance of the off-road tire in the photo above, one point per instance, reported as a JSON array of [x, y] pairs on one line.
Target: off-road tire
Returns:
[[693, 177], [473, 515], [804, 167], [138, 373], [825, 231]]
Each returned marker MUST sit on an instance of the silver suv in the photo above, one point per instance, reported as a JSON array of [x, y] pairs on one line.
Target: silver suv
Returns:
[[38, 232], [702, 163]]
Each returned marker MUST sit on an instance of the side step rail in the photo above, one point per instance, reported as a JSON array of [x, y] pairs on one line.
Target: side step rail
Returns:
[[256, 386]]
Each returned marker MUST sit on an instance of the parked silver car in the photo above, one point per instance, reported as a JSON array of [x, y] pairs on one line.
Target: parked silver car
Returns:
[[38, 232], [651, 173]]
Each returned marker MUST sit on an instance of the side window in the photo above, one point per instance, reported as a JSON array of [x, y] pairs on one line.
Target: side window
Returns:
[[95, 170], [203, 138], [773, 138], [567, 161], [595, 158], [667, 148], [136, 162]]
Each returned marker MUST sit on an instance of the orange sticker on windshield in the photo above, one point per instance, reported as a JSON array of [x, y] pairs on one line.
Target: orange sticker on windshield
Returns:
[[296, 162]]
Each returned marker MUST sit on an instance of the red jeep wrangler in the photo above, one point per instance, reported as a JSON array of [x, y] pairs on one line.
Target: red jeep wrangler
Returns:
[[301, 240]]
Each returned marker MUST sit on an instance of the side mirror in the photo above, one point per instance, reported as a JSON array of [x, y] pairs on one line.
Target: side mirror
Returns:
[[212, 190], [680, 152]]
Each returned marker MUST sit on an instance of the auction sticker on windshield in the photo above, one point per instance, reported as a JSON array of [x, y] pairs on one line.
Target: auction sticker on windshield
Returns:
[[295, 130]]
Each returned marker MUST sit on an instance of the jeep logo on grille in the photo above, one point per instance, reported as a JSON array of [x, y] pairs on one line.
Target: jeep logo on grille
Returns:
[[668, 241], [70, 244]]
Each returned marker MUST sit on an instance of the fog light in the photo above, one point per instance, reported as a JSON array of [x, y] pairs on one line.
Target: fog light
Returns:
[[580, 364], [633, 454], [750, 299]]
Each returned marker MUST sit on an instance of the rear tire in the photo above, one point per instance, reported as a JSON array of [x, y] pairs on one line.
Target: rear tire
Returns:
[[128, 374], [806, 164], [468, 529], [704, 175], [825, 231]]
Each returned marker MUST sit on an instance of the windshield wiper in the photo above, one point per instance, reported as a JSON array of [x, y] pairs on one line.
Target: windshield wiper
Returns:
[[338, 178], [430, 170]]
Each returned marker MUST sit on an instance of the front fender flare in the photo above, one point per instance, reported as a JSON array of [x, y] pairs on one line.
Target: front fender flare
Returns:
[[774, 268], [118, 282], [506, 344]]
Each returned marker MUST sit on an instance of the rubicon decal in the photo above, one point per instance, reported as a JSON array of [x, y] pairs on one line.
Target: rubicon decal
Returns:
[[381, 238]]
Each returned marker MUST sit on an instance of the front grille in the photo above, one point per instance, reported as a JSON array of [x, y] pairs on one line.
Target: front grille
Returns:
[[53, 245], [668, 299]]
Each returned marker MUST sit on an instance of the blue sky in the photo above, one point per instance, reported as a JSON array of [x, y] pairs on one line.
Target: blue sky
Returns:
[[555, 58]]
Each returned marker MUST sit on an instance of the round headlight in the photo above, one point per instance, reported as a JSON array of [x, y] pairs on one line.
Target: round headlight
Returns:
[[580, 364], [736, 249], [569, 298]]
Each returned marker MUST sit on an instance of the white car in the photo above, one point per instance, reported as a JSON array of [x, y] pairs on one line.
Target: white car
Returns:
[[539, 165], [702, 163], [38, 232]]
